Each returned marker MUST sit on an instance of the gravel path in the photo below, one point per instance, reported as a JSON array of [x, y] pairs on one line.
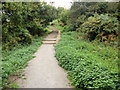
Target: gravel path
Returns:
[[43, 71]]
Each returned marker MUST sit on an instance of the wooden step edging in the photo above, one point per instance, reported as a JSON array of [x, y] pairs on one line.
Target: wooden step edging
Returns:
[[58, 37], [49, 40], [54, 41], [49, 43]]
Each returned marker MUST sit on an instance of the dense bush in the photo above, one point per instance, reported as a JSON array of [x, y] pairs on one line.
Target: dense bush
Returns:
[[98, 20], [22, 20], [69, 28], [84, 10], [64, 17], [100, 27], [89, 65]]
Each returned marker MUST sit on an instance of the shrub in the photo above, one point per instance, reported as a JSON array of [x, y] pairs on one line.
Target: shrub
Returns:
[[89, 65], [101, 27], [22, 20], [69, 28], [25, 36]]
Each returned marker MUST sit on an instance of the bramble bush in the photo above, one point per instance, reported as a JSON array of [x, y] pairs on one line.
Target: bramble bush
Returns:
[[90, 65]]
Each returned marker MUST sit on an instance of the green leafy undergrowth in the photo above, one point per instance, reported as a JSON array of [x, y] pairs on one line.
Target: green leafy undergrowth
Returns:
[[14, 61], [89, 64], [58, 25]]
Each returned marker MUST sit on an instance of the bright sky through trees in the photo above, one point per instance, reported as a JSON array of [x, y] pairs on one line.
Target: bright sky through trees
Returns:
[[67, 3], [59, 3]]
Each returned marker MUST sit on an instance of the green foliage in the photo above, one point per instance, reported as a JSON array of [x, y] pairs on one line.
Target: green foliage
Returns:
[[64, 16], [22, 20], [100, 26], [14, 61], [59, 27], [89, 64], [98, 20], [68, 28], [14, 85]]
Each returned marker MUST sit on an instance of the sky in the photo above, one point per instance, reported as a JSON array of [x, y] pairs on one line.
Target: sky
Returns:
[[67, 3], [60, 3]]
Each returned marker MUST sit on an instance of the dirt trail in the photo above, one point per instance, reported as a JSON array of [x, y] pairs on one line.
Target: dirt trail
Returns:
[[43, 71]]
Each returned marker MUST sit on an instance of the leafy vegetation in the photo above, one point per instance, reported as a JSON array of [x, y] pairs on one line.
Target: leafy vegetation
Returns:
[[23, 20], [21, 23], [89, 64], [14, 61], [97, 20], [88, 45], [102, 27]]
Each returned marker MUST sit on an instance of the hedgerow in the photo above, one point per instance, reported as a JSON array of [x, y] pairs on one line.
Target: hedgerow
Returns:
[[89, 65]]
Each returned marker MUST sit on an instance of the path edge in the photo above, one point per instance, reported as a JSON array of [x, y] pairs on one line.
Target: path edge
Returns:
[[58, 37]]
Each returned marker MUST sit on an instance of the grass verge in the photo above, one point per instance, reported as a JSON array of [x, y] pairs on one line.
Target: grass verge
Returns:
[[14, 61], [89, 64]]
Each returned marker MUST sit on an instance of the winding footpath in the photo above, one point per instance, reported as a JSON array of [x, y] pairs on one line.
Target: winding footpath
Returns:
[[43, 71]]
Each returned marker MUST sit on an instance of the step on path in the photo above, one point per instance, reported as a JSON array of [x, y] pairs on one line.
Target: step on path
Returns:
[[43, 71], [51, 38], [49, 41]]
